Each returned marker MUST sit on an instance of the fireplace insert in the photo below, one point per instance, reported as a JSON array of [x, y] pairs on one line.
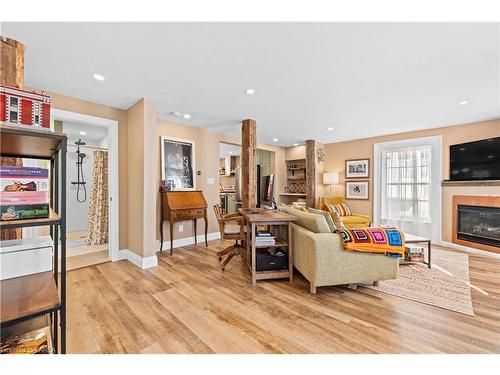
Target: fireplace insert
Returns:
[[479, 224]]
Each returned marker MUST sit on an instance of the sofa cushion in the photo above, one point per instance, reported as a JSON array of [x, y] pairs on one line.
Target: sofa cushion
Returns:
[[337, 220], [326, 215], [312, 222]]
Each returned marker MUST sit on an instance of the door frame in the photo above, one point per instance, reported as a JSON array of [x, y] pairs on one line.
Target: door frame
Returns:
[[113, 183], [436, 143]]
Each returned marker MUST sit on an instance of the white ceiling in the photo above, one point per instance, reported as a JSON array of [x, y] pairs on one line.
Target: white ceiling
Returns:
[[94, 135], [363, 79]]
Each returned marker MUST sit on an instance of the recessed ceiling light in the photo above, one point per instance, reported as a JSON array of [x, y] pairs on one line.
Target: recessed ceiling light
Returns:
[[82, 133], [230, 152], [176, 114], [98, 77], [275, 139], [295, 144], [250, 91], [186, 115], [330, 129], [463, 102]]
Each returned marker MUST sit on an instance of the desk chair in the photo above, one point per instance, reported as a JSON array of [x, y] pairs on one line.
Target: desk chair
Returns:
[[232, 227]]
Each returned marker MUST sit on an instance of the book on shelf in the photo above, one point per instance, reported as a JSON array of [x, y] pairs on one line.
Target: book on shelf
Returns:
[[263, 233], [38, 341], [413, 249]]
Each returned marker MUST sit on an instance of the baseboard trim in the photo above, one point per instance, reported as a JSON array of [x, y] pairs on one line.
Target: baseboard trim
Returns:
[[468, 249], [186, 241], [139, 261]]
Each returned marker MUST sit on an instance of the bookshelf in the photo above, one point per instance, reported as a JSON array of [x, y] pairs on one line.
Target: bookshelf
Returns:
[[27, 299], [296, 181]]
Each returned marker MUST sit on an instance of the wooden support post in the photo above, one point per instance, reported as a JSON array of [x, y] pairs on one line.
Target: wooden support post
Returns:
[[311, 173], [12, 63], [249, 163]]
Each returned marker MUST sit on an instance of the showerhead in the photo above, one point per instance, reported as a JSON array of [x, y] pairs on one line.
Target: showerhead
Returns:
[[82, 155], [80, 143]]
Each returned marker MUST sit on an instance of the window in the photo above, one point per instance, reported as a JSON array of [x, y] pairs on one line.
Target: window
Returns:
[[406, 184]]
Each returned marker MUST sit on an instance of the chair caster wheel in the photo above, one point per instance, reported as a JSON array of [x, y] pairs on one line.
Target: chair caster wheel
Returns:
[[223, 268], [220, 258]]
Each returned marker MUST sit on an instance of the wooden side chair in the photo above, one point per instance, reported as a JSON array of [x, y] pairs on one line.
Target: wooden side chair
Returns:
[[232, 227]]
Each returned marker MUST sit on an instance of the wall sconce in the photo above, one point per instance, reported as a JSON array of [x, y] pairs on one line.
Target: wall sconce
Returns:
[[331, 178]]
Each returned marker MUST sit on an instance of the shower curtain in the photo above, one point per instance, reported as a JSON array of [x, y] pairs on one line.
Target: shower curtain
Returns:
[[97, 230]]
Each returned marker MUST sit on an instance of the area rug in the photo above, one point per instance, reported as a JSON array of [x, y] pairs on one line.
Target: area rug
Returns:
[[445, 285]]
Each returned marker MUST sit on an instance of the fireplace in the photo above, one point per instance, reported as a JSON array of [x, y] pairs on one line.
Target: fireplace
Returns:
[[480, 224], [476, 222]]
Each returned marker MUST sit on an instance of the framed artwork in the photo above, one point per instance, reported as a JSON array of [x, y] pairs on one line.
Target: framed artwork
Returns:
[[356, 190], [178, 163], [359, 168]]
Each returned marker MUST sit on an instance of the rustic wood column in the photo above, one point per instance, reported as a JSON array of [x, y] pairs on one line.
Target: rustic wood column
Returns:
[[12, 63], [311, 173], [248, 163], [11, 74]]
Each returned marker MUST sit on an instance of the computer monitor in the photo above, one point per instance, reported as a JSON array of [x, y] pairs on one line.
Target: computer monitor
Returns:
[[267, 191]]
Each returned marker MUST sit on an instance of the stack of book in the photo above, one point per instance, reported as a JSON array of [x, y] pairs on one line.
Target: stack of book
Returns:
[[414, 253], [264, 238], [25, 192]]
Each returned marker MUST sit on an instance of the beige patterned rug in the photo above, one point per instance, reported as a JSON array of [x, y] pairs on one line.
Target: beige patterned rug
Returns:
[[445, 285]]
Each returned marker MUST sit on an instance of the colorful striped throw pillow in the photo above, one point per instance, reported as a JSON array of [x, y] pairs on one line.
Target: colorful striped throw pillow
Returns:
[[341, 208]]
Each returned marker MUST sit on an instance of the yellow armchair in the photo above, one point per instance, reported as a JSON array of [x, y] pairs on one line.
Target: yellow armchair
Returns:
[[352, 221]]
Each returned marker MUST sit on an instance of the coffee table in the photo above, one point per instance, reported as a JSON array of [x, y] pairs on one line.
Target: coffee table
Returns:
[[412, 238]]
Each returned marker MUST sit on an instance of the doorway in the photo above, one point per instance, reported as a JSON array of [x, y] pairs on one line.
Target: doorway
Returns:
[[92, 187]]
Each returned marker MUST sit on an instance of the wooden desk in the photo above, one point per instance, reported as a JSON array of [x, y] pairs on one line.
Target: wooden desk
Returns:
[[181, 206], [274, 219]]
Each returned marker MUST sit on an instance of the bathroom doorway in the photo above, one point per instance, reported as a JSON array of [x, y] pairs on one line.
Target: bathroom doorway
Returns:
[[92, 188]]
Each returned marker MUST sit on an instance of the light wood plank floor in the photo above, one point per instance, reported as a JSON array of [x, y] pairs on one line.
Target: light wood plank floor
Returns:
[[188, 305], [85, 260]]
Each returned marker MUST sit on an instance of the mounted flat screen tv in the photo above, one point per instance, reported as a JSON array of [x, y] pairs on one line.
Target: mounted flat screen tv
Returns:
[[478, 160]]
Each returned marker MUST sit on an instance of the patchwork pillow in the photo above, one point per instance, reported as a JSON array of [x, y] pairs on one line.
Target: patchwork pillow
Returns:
[[341, 208], [327, 217]]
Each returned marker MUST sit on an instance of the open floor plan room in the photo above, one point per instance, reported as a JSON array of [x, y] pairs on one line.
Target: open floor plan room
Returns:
[[250, 187]]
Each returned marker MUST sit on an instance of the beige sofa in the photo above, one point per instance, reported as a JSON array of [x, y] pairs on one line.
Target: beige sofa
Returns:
[[318, 254]]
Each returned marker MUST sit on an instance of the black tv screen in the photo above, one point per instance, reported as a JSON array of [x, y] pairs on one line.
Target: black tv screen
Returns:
[[478, 160]]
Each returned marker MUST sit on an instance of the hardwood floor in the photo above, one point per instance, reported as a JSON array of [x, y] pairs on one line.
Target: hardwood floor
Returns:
[[188, 305], [85, 260]]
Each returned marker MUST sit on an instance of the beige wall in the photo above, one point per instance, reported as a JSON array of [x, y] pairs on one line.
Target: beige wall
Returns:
[[295, 152], [135, 191], [207, 161], [337, 153]]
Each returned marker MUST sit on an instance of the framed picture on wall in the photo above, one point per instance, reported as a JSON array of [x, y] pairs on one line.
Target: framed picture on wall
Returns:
[[356, 190], [178, 163], [359, 168]]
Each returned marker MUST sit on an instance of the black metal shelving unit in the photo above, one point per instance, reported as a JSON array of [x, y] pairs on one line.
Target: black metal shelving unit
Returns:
[[32, 296]]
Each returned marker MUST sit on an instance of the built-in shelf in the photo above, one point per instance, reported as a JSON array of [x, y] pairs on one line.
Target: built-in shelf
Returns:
[[53, 218], [28, 295], [471, 183], [294, 194]]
